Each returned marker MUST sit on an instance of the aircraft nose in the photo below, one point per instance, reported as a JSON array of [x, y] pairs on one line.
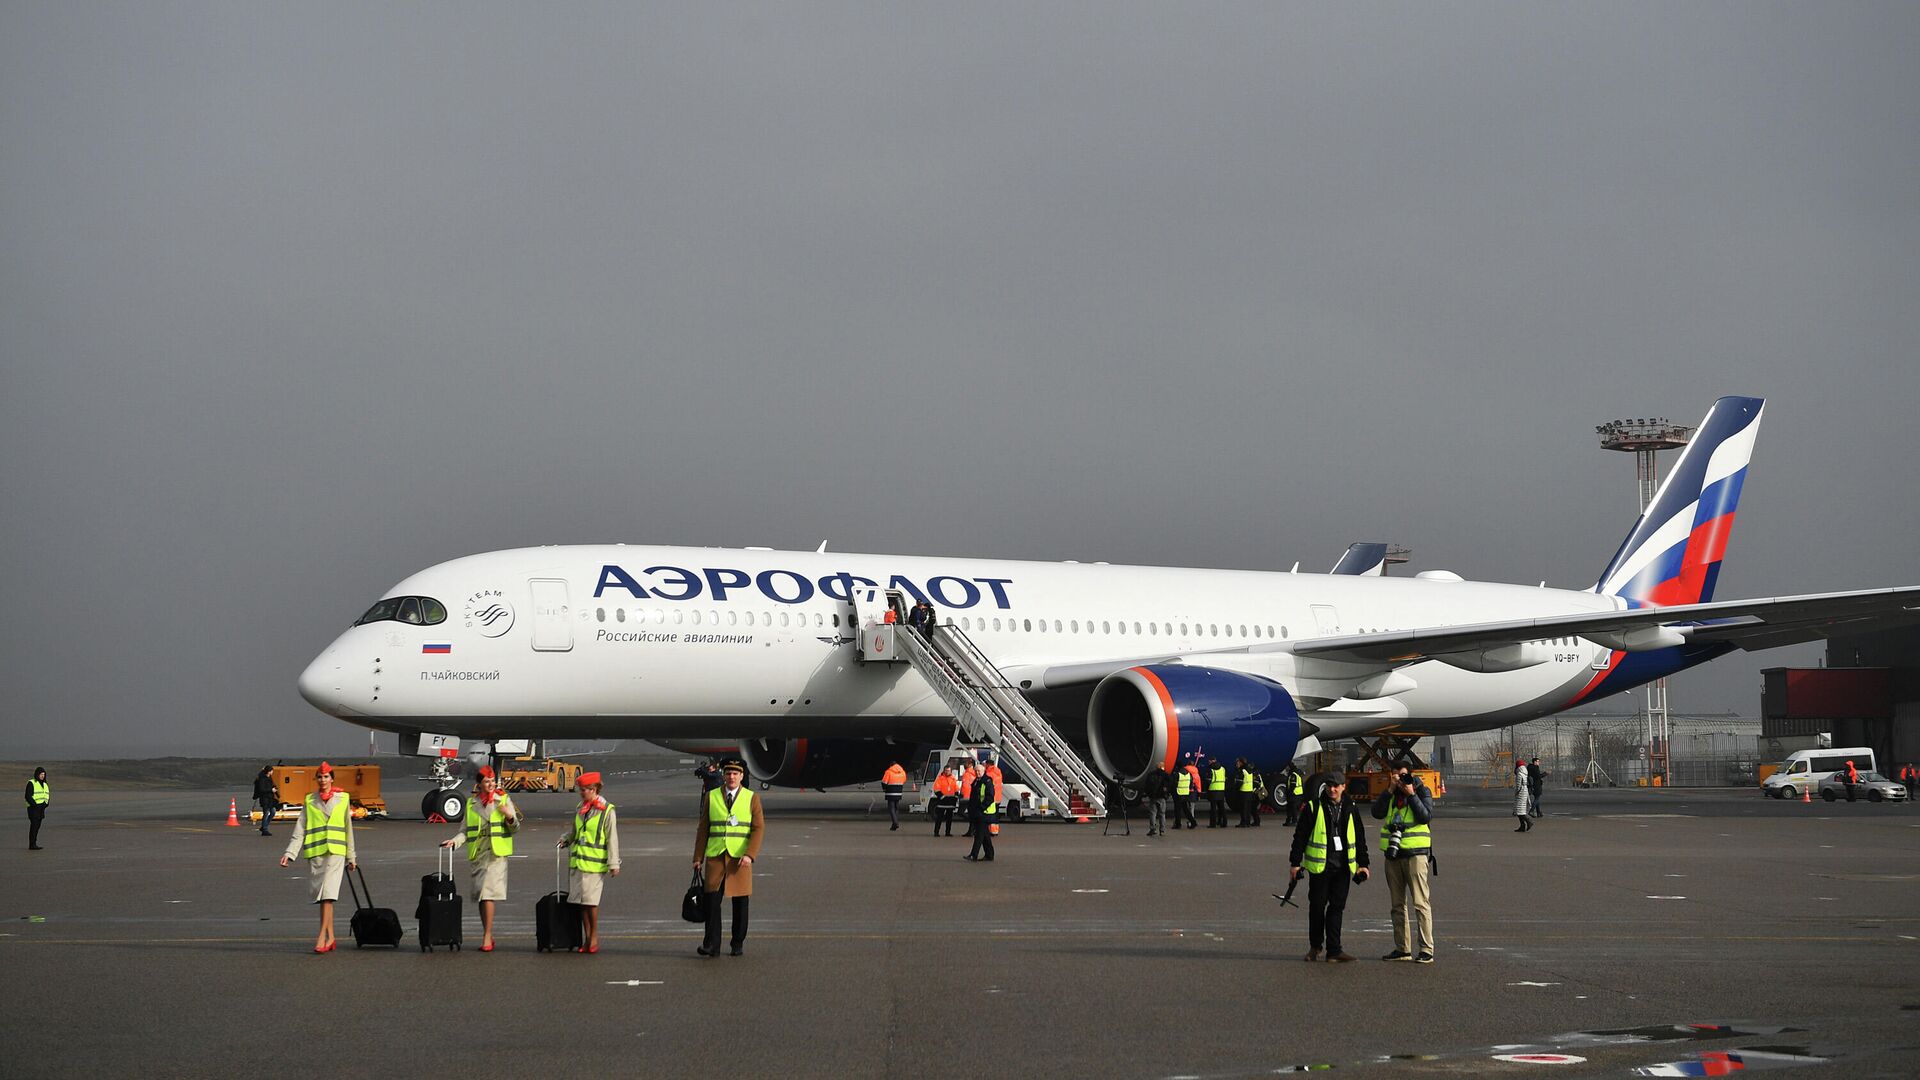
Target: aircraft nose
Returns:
[[321, 682]]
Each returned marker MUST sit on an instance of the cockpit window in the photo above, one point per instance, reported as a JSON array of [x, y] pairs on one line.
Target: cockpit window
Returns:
[[414, 610]]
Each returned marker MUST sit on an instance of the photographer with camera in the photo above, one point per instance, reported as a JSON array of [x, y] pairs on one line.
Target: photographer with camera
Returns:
[[1406, 840]]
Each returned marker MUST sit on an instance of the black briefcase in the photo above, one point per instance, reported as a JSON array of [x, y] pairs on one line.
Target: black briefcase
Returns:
[[372, 925], [693, 906]]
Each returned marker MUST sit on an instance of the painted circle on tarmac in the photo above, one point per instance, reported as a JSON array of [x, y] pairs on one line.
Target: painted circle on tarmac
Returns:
[[1540, 1059]]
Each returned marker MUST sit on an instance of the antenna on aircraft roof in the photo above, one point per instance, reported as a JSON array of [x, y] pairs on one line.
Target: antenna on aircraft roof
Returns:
[[822, 549], [1296, 568]]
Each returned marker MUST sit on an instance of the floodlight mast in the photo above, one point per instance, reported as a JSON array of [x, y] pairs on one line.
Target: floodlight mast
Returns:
[[1644, 439]]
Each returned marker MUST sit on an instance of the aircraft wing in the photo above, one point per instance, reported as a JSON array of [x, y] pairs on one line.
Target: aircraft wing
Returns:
[[1746, 624]]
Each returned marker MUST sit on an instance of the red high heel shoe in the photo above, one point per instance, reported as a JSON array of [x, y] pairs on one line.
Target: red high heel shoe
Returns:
[[486, 948], [594, 949]]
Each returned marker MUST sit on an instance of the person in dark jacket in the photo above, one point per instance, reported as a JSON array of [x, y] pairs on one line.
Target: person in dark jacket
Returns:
[[1536, 779], [267, 795], [39, 794], [1405, 811], [1154, 790], [1328, 845], [1115, 797], [983, 809]]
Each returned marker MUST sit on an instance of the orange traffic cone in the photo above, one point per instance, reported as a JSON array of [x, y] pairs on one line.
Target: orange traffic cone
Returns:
[[233, 812], [1806, 795]]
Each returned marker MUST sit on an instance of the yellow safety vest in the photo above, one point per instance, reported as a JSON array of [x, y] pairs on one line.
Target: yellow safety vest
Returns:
[[1315, 859], [326, 833], [41, 793], [1412, 837], [1184, 785], [1246, 782], [1298, 786], [588, 844], [1217, 779], [727, 830], [498, 839]]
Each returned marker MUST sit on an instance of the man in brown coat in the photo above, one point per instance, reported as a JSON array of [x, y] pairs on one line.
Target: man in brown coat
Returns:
[[727, 843]]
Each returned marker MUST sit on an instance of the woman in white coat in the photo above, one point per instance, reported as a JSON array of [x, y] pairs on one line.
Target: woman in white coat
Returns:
[[1522, 795], [323, 835]]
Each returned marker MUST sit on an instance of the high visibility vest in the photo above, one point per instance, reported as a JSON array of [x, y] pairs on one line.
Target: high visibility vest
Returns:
[[727, 829], [1412, 837], [587, 850], [326, 833], [498, 840], [946, 785], [993, 797], [1183, 784], [1246, 781], [41, 792], [1217, 779], [1315, 859], [1299, 785], [894, 775]]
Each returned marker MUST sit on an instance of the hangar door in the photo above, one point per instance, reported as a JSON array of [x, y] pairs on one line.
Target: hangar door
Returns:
[[552, 630]]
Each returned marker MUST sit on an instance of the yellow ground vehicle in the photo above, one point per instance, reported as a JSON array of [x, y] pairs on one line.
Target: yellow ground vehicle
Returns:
[[360, 782], [545, 774]]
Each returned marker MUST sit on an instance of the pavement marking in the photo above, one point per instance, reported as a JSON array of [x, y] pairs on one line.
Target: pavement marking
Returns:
[[1666, 898], [1524, 983], [635, 982], [1540, 1059], [1090, 890]]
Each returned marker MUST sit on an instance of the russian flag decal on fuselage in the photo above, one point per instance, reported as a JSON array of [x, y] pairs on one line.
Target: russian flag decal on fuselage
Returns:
[[440, 647]]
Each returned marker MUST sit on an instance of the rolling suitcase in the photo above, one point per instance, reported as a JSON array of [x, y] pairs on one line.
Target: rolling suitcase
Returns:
[[556, 921], [439, 910], [372, 925]]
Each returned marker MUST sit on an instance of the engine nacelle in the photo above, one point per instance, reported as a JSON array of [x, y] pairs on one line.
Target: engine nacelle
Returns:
[[824, 763], [1150, 715]]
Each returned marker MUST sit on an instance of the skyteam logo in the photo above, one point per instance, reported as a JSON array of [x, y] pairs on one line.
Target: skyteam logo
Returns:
[[489, 613]]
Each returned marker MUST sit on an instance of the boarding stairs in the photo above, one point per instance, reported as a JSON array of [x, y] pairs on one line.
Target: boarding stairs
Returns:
[[991, 710]]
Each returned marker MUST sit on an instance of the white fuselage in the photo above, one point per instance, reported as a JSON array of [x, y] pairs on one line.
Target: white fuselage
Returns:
[[715, 643]]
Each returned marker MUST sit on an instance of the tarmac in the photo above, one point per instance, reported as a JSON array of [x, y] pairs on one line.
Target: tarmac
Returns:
[[149, 939]]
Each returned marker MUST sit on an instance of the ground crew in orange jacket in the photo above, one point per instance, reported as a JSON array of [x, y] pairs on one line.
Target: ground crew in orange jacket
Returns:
[[893, 782], [946, 799], [967, 777]]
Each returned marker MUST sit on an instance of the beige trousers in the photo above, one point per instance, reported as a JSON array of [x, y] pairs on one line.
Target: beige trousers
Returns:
[[1408, 883]]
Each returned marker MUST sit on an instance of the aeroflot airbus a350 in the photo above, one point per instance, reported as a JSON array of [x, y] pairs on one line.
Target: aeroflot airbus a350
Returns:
[[712, 645]]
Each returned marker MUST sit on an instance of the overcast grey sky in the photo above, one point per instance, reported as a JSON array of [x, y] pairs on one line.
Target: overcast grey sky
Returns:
[[298, 299]]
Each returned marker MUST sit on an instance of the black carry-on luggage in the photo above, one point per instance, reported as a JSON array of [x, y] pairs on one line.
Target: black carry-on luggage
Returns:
[[372, 925], [556, 920], [693, 906], [439, 910]]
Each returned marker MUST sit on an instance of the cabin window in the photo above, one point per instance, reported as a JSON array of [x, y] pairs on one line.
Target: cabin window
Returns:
[[600, 614], [1027, 625], [409, 610], [1106, 627], [619, 614]]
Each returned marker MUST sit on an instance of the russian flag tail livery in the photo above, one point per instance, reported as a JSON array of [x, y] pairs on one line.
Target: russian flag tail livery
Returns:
[[1672, 556]]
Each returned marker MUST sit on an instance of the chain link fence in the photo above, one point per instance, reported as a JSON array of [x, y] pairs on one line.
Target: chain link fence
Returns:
[[1612, 751]]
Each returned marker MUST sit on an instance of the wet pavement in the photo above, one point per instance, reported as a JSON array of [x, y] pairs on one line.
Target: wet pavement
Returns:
[[1632, 933]]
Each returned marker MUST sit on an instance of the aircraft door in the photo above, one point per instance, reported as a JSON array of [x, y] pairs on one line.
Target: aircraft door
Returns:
[[1326, 620], [552, 625], [875, 615]]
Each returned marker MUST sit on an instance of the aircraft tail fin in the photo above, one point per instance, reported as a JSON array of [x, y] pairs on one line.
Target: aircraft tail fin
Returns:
[[1672, 555]]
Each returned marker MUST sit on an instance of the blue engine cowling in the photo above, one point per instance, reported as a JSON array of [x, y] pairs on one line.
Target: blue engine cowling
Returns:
[[1150, 715], [825, 763]]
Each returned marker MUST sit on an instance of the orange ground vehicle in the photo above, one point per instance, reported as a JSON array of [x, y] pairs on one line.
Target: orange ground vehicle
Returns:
[[360, 782], [546, 774]]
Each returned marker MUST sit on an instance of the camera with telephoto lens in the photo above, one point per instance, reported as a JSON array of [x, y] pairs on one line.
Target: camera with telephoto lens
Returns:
[[1394, 832]]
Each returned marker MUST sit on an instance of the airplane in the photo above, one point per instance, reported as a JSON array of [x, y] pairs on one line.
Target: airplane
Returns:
[[689, 646]]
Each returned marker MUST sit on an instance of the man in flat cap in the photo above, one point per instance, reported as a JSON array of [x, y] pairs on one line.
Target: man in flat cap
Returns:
[[726, 844]]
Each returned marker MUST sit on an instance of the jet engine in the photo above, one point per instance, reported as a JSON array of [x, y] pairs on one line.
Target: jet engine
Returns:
[[1150, 715], [824, 763]]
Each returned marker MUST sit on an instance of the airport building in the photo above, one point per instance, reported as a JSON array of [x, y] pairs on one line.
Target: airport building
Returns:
[[1867, 695]]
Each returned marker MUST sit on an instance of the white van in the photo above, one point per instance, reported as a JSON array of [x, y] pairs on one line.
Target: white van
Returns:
[[1804, 769]]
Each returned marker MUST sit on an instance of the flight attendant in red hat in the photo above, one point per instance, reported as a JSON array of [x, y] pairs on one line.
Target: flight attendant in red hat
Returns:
[[595, 855], [323, 835]]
